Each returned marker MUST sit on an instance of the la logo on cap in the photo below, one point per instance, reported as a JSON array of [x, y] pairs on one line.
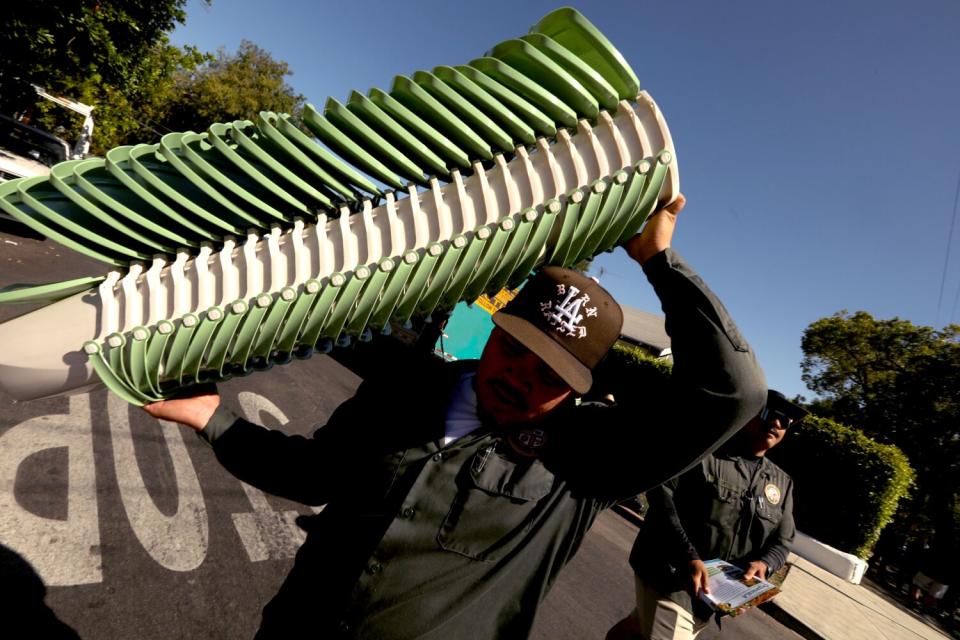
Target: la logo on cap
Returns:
[[564, 314]]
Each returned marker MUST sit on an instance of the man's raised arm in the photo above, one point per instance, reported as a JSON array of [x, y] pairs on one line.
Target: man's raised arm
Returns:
[[715, 388]]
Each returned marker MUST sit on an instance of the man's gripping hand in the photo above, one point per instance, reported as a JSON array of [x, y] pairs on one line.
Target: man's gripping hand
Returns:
[[699, 578], [657, 233], [193, 411], [756, 568]]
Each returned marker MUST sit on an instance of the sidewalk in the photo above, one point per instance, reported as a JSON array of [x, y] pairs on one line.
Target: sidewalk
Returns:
[[816, 604]]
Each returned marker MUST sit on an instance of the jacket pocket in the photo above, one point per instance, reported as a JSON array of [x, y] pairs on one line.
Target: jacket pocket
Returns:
[[769, 519], [495, 506], [723, 509]]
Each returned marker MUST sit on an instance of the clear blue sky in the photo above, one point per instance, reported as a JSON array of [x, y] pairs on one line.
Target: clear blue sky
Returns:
[[818, 142]]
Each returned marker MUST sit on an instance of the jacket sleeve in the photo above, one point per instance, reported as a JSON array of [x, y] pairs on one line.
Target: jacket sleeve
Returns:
[[715, 388], [777, 547], [676, 546], [303, 469]]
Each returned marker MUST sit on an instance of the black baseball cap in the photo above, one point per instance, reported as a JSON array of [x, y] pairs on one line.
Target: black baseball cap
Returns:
[[777, 406], [567, 319]]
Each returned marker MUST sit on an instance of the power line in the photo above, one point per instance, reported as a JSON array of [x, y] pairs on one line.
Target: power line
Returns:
[[956, 299], [946, 260]]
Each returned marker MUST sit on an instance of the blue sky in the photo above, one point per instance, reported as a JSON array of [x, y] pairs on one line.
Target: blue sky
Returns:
[[818, 142]]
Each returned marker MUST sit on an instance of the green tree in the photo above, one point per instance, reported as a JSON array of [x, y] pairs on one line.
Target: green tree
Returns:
[[113, 55], [64, 45], [229, 87], [130, 114], [900, 383], [116, 56]]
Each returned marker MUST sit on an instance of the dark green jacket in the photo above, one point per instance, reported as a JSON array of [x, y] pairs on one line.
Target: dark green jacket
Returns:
[[424, 541], [722, 508]]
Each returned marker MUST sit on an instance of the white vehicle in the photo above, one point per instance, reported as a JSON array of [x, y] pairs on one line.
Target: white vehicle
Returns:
[[28, 151]]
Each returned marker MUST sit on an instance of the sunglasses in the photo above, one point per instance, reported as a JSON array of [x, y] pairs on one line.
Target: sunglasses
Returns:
[[768, 415]]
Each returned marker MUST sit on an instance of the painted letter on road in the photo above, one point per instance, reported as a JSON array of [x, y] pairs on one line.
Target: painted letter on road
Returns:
[[63, 552], [178, 542], [265, 533]]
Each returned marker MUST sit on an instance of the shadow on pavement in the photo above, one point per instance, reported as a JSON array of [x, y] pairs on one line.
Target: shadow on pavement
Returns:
[[15, 228], [23, 606]]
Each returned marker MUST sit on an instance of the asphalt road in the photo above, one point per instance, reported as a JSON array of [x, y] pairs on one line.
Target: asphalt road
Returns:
[[114, 526]]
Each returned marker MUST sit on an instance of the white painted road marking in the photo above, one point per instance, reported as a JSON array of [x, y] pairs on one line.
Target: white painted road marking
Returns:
[[66, 552], [265, 533], [178, 542], [63, 552]]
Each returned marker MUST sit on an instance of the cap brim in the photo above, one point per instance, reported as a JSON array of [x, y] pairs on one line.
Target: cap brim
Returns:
[[796, 413], [791, 410], [564, 364]]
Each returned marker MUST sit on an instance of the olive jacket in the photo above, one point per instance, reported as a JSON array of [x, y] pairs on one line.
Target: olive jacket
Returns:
[[727, 507], [421, 540]]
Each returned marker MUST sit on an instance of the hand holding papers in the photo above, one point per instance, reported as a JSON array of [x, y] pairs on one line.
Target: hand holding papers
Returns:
[[731, 593]]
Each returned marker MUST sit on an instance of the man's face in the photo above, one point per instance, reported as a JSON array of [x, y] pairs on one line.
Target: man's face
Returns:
[[513, 384], [763, 436]]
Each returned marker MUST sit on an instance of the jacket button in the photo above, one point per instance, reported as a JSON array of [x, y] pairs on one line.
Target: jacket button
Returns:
[[437, 457], [407, 513], [374, 568], [344, 627]]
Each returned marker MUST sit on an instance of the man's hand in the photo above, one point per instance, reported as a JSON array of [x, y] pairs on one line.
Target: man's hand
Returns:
[[194, 411], [657, 233], [756, 568], [699, 580]]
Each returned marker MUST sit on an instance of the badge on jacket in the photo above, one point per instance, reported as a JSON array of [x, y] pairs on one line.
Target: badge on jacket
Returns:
[[528, 442], [773, 493]]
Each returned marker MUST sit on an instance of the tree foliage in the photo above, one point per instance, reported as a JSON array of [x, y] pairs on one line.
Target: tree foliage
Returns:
[[229, 87], [116, 56], [64, 45], [900, 383]]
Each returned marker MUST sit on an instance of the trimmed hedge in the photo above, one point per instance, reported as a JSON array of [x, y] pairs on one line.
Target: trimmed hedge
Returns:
[[847, 486], [627, 367]]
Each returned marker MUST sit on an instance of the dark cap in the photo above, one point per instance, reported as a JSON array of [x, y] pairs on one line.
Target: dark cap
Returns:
[[566, 319], [777, 403]]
